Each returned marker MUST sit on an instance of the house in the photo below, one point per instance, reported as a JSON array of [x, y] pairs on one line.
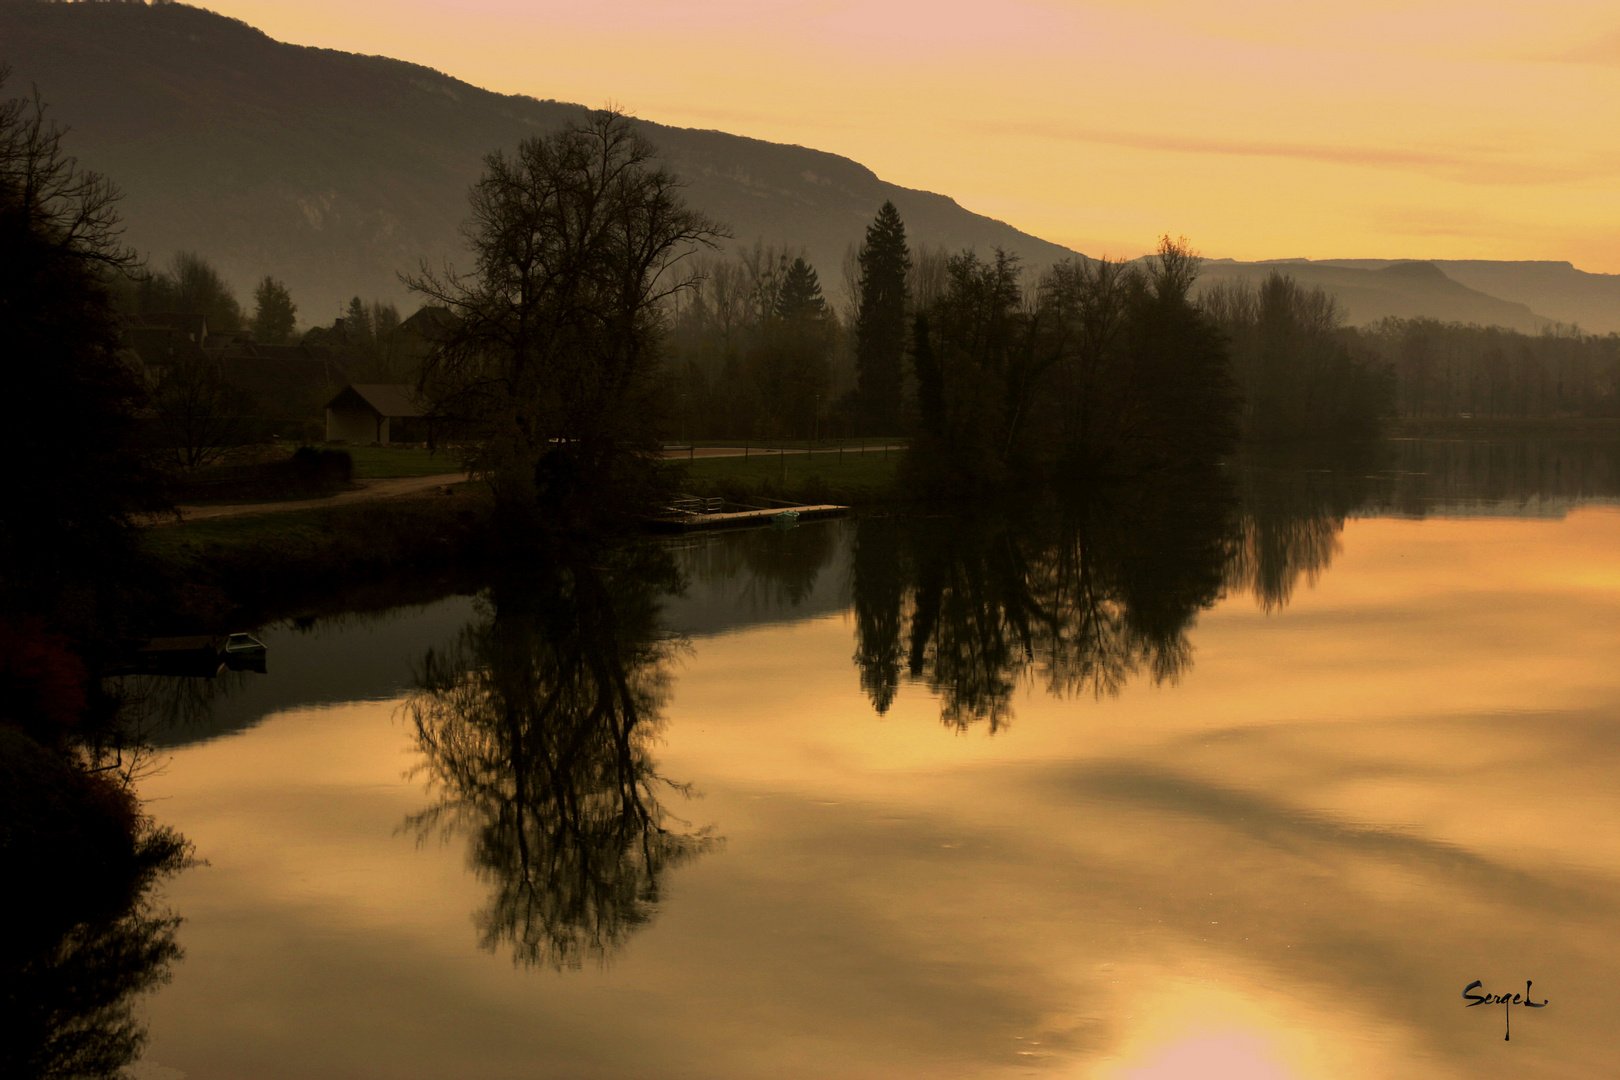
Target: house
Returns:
[[372, 413]]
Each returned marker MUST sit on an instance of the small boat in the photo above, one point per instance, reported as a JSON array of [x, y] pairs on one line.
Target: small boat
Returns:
[[785, 520], [243, 645]]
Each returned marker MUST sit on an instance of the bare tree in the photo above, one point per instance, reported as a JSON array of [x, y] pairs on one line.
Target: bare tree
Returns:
[[198, 413], [553, 362]]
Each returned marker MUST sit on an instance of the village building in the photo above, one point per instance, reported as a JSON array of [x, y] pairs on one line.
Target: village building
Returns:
[[373, 413]]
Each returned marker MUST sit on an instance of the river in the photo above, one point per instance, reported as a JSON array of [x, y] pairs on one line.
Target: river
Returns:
[[1252, 780]]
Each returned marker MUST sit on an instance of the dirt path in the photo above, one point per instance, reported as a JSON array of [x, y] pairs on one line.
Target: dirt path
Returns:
[[367, 491], [760, 451]]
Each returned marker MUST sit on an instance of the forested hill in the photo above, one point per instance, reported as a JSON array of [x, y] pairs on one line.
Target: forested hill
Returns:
[[332, 170]]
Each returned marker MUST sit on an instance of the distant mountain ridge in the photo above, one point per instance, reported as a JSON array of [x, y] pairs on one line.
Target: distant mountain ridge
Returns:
[[333, 170], [1405, 289], [1554, 289]]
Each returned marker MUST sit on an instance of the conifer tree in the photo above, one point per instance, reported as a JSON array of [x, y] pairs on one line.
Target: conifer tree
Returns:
[[790, 352], [800, 296], [275, 316], [880, 322]]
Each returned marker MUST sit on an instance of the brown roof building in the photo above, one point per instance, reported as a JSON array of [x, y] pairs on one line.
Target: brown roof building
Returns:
[[372, 413]]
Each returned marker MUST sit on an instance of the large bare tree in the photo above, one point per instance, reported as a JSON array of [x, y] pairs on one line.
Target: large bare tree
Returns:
[[553, 362]]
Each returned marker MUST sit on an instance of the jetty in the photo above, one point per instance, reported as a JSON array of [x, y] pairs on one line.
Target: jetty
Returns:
[[687, 513]]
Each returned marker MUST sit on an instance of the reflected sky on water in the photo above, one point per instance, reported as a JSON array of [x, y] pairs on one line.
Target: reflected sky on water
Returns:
[[1251, 782]]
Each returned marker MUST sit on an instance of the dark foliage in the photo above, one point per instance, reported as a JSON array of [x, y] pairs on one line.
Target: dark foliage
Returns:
[[1450, 370], [1106, 371], [66, 538], [191, 286], [308, 472], [275, 316], [1303, 375], [83, 937], [880, 323], [553, 359]]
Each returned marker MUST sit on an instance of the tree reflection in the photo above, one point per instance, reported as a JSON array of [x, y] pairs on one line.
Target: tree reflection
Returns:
[[1081, 597], [1093, 590], [83, 935], [1293, 510], [536, 729]]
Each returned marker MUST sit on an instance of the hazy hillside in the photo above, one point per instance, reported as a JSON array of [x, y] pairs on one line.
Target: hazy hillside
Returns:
[[1554, 289], [1401, 289], [333, 170]]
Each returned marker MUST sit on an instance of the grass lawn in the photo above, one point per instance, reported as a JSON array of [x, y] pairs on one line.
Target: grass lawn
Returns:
[[794, 444], [384, 462], [814, 477], [298, 529]]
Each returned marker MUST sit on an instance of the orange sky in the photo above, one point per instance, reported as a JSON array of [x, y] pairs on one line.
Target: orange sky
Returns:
[[1258, 128]]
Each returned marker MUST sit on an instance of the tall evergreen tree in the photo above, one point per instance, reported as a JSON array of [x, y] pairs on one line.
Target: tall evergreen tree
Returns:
[[790, 352], [275, 316], [800, 296], [880, 322]]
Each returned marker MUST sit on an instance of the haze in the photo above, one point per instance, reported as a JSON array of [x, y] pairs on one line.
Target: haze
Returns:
[[1262, 129]]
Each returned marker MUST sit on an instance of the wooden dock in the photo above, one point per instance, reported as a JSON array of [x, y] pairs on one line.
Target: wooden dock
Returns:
[[687, 522]]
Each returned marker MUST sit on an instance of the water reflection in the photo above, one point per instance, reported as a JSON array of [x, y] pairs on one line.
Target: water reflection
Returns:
[[83, 936], [1292, 510], [535, 729], [1101, 587], [1080, 598]]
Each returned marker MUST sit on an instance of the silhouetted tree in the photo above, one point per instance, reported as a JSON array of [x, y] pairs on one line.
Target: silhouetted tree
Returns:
[[880, 322], [198, 414], [790, 350], [191, 286], [1297, 367], [554, 359], [966, 351], [357, 321], [67, 543], [275, 316]]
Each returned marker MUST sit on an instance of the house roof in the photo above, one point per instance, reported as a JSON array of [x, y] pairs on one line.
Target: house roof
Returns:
[[287, 385], [193, 326], [384, 399]]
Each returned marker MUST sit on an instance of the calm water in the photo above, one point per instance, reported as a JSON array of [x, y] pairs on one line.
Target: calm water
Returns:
[[1245, 781]]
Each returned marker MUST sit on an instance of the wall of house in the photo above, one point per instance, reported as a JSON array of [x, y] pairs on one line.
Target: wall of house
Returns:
[[354, 426]]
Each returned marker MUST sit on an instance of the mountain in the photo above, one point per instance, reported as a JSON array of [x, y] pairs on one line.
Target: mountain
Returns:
[[1400, 289], [333, 171], [1554, 289]]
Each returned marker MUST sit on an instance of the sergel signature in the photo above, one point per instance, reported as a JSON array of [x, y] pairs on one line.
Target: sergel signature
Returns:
[[1506, 1000]]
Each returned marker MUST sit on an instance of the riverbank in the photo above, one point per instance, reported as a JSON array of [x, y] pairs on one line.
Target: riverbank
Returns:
[[242, 565], [241, 569], [1503, 427]]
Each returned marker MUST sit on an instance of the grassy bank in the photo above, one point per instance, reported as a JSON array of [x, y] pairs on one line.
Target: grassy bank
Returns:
[[388, 462], [277, 563], [851, 479], [255, 566]]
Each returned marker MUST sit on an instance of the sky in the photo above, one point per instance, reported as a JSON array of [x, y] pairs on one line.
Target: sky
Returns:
[[1450, 129]]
